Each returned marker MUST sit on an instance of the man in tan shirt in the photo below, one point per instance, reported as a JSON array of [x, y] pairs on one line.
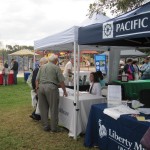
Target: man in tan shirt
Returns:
[[48, 80]]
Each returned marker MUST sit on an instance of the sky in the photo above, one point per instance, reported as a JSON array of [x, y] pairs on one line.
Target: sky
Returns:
[[24, 21]]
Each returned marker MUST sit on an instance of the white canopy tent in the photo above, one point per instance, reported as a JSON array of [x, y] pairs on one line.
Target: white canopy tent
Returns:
[[68, 40], [128, 53], [65, 40]]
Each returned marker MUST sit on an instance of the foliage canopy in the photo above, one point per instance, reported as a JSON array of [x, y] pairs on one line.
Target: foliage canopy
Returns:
[[116, 7]]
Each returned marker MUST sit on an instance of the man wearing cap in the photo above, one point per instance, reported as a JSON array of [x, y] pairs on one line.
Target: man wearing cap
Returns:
[[48, 79]]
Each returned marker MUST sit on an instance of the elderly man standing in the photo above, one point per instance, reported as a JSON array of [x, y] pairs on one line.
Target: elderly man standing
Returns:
[[49, 78]]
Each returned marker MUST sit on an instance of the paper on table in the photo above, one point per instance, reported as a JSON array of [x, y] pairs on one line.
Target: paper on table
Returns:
[[115, 112], [148, 120], [136, 104], [140, 118], [144, 110], [84, 92], [114, 95]]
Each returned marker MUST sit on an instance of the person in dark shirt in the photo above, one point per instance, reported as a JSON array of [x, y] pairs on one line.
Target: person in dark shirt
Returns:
[[129, 70], [15, 69], [43, 61], [34, 77]]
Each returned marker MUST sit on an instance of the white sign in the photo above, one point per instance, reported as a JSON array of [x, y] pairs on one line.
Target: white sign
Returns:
[[132, 25], [114, 95], [108, 30]]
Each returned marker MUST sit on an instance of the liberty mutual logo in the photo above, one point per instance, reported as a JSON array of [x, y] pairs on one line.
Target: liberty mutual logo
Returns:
[[102, 129], [122, 142], [108, 30]]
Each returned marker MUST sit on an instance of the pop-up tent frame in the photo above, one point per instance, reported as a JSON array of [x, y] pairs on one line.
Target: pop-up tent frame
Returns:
[[129, 29], [68, 40]]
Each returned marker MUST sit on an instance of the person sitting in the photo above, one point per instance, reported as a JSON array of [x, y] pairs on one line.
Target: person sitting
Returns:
[[101, 78], [95, 87]]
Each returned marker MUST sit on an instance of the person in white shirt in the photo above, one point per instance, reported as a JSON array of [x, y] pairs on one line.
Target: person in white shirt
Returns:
[[87, 64], [95, 87], [68, 71]]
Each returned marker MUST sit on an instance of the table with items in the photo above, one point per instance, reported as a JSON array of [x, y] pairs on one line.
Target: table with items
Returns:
[[66, 110], [110, 134], [81, 87], [10, 79], [131, 89], [83, 81]]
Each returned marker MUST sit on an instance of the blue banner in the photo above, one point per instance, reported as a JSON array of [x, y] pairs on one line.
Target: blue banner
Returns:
[[100, 63]]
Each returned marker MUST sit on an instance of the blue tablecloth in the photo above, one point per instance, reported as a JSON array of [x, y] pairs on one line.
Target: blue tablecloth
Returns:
[[107, 133]]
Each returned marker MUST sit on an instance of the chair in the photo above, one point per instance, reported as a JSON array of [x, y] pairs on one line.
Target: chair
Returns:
[[145, 97]]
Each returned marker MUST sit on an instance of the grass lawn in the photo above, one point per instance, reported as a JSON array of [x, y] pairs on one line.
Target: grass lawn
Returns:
[[19, 132]]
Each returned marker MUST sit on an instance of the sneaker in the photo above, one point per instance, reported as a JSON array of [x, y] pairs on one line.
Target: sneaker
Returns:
[[31, 116], [34, 117]]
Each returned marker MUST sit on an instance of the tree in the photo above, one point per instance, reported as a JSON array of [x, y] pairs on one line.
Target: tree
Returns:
[[16, 47], [116, 7], [9, 47]]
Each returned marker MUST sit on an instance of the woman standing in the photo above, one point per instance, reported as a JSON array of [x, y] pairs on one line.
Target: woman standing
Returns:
[[129, 70], [5, 73], [87, 64], [136, 70]]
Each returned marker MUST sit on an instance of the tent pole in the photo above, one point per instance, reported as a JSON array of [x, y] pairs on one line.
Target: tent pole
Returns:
[[78, 69], [113, 65], [77, 98], [75, 94], [34, 60]]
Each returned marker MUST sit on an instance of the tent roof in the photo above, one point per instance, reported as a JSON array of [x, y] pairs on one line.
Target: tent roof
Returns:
[[128, 53], [96, 18], [24, 52], [65, 39], [130, 29]]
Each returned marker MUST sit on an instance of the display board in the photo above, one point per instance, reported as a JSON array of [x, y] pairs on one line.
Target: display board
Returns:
[[100, 63]]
